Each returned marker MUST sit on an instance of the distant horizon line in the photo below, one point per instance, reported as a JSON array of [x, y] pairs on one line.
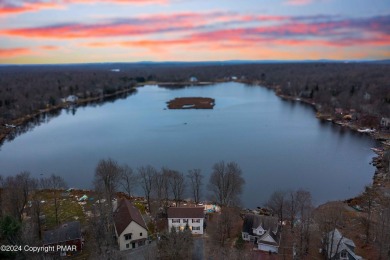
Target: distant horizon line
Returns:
[[204, 62]]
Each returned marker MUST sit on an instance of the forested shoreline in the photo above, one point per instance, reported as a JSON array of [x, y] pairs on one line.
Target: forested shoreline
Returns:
[[336, 90]]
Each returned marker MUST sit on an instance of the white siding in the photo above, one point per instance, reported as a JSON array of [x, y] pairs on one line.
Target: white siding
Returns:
[[182, 224], [245, 236], [135, 229], [259, 231]]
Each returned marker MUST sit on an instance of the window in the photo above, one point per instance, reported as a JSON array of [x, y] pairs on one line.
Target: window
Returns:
[[185, 220], [141, 243], [140, 234], [195, 220], [343, 255], [128, 236], [175, 220], [127, 245], [195, 228]]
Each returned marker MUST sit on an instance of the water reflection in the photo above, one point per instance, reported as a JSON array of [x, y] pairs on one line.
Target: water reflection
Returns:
[[44, 118], [279, 145]]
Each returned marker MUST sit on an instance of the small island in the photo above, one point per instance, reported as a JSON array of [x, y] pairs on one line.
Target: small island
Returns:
[[191, 103]]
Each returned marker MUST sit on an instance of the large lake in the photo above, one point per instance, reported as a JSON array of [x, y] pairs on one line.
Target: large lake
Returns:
[[280, 145]]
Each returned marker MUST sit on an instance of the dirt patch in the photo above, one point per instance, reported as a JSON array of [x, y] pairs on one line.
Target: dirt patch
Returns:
[[191, 103]]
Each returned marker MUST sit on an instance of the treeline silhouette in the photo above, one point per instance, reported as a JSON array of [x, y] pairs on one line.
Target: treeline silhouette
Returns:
[[361, 86]]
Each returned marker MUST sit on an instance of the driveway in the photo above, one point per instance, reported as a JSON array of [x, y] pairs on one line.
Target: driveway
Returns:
[[198, 252], [147, 252]]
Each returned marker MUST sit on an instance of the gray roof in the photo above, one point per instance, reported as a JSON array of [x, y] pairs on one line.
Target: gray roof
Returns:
[[339, 244], [66, 232], [269, 224], [254, 221]]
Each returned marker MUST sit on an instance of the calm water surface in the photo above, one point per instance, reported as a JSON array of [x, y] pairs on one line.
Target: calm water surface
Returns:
[[280, 145]]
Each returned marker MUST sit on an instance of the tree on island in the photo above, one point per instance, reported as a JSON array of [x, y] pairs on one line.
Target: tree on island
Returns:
[[226, 183]]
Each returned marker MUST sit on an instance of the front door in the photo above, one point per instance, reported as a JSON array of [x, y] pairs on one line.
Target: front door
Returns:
[[133, 245]]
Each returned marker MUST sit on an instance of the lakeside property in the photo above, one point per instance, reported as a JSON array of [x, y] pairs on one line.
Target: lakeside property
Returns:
[[140, 126], [360, 210]]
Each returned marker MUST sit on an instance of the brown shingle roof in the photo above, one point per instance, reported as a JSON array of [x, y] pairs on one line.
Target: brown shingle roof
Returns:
[[125, 213], [186, 212]]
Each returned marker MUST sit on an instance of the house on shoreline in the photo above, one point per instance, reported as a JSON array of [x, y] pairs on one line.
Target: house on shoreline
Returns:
[[179, 217], [130, 228], [263, 231], [339, 247]]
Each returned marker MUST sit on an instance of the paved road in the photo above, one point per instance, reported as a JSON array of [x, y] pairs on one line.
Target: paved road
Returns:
[[198, 252]]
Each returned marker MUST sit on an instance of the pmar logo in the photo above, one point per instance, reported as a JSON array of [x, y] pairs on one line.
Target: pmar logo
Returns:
[[67, 248]]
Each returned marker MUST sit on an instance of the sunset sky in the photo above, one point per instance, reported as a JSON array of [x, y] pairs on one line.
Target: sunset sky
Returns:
[[80, 31]]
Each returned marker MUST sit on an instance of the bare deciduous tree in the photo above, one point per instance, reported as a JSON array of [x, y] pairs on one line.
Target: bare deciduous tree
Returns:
[[177, 184], [55, 183], [146, 175], [176, 244], [369, 196], [108, 173], [226, 183], [195, 177], [277, 203], [128, 180], [383, 231], [304, 210], [161, 184], [16, 193], [223, 226], [328, 218]]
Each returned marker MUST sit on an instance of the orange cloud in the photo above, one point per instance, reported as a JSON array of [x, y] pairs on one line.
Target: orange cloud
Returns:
[[12, 52], [49, 47], [136, 2], [10, 7], [27, 7]]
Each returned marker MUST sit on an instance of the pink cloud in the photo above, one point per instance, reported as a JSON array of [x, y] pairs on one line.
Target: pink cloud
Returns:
[[299, 2], [18, 7], [7, 9], [12, 52], [49, 47]]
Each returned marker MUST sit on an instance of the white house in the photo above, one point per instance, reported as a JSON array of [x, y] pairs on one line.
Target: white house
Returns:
[[385, 122], [71, 99], [193, 216], [263, 231], [339, 247], [193, 79], [130, 227]]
